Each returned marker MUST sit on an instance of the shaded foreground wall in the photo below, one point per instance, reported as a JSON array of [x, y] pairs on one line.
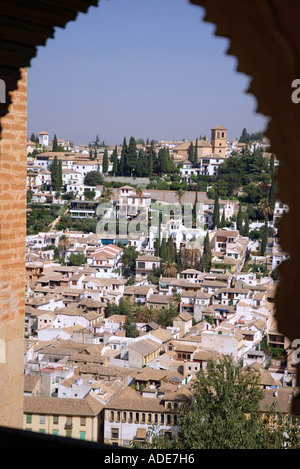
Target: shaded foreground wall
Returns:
[[13, 162]]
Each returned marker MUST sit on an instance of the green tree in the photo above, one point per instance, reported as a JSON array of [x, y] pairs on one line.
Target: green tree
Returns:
[[89, 195], [216, 212], [205, 263], [223, 220], [150, 163], [115, 160], [195, 162], [56, 174], [272, 195], [195, 208], [123, 159], [244, 138], [191, 156], [158, 239], [63, 245], [97, 142], [60, 175], [272, 164], [131, 162], [128, 259], [55, 144], [239, 219], [93, 178], [165, 164], [105, 162], [29, 195], [130, 327], [77, 259], [224, 412], [141, 167], [264, 239], [169, 269], [245, 231]]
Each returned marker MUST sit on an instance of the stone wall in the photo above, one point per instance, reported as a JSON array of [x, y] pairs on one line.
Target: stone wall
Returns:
[[13, 162]]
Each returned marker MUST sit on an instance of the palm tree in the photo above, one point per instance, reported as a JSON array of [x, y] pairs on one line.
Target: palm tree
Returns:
[[107, 192], [265, 208], [169, 269], [63, 245], [191, 256], [180, 193], [175, 300], [143, 314], [139, 191]]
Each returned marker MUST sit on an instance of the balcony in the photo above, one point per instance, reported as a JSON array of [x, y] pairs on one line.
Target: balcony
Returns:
[[68, 426]]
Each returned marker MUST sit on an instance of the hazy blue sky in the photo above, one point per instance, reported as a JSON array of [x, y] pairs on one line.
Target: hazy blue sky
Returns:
[[147, 68]]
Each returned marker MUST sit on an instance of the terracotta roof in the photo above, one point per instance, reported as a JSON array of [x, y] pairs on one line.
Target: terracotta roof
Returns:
[[183, 317], [89, 406], [158, 299], [129, 399], [282, 400], [144, 347], [148, 257], [218, 127]]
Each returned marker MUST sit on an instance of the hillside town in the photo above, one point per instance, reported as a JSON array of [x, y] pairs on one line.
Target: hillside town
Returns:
[[145, 261]]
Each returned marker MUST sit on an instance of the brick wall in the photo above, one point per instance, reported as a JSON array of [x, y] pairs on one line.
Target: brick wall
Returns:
[[13, 162]]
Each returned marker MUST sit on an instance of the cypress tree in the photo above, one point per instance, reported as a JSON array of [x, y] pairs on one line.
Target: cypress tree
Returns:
[[60, 177], [163, 249], [165, 164], [196, 154], [131, 162], [170, 250], [191, 153], [239, 220], [244, 138], [140, 168], [105, 162], [55, 144], [264, 239], [157, 245], [122, 168], [194, 210], [207, 256], [95, 154], [91, 154], [149, 161], [246, 227], [114, 160], [54, 169], [272, 194], [223, 221], [272, 165], [216, 213], [155, 162]]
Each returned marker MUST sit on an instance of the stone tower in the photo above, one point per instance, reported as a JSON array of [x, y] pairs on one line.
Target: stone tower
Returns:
[[218, 140]]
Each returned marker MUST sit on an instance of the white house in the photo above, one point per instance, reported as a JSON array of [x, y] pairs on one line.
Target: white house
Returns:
[[44, 138]]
